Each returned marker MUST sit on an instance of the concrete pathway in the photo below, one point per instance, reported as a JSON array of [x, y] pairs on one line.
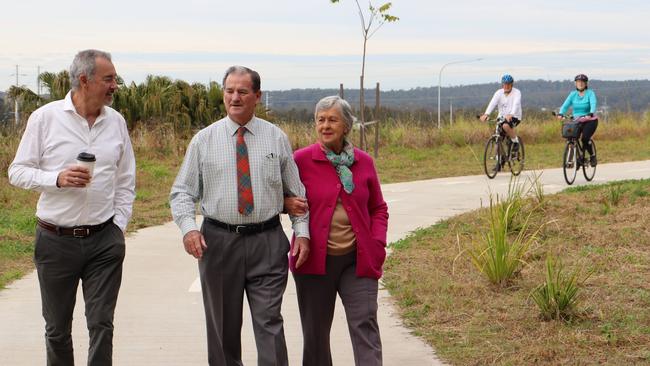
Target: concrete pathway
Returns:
[[159, 318]]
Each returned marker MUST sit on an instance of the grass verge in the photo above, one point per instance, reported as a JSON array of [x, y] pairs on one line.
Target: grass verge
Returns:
[[469, 321]]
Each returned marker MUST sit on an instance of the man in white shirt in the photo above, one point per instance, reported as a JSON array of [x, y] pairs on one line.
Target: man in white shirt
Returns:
[[82, 217], [508, 101]]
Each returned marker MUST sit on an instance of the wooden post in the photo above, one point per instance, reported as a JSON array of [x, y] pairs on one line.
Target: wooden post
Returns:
[[377, 106], [341, 91]]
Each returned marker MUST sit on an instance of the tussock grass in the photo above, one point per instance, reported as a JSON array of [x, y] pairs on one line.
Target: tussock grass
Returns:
[[501, 251], [471, 322], [558, 297]]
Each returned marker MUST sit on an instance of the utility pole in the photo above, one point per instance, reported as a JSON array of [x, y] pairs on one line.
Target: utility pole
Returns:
[[16, 104]]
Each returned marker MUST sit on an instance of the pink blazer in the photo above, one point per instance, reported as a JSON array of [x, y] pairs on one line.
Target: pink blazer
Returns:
[[367, 211]]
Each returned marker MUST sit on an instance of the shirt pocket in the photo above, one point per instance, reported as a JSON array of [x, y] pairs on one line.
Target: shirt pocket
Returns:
[[271, 170]]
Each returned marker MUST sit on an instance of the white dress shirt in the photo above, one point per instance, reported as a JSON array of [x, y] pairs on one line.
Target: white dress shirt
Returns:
[[54, 136], [209, 176], [508, 104]]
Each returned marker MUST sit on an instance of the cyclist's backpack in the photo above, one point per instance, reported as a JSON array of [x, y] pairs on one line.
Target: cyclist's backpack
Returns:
[[571, 129]]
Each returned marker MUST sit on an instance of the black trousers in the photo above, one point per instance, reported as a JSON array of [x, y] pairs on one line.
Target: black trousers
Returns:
[[61, 262], [232, 264], [316, 301], [587, 130]]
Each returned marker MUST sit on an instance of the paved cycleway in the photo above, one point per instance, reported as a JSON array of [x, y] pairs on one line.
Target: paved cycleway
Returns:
[[159, 318]]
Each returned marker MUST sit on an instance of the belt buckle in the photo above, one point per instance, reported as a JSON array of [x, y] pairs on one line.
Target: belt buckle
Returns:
[[80, 232], [239, 227]]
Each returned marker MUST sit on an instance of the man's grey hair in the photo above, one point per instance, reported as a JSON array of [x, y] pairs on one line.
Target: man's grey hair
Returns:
[[84, 64], [341, 104], [255, 77]]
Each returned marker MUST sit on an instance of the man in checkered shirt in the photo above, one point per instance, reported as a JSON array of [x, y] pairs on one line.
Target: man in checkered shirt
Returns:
[[239, 169]]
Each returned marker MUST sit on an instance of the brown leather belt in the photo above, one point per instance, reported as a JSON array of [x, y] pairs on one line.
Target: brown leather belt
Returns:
[[247, 229], [83, 231]]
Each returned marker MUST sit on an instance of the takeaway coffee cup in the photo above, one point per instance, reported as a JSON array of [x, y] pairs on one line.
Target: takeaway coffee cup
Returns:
[[87, 160]]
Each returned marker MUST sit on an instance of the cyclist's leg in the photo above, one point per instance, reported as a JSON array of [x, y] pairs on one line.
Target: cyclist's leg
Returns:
[[588, 130], [509, 128]]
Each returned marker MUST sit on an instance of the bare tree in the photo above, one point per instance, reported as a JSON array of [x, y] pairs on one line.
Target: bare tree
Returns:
[[370, 24]]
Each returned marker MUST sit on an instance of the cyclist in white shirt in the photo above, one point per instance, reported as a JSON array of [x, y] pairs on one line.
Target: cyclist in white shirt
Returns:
[[508, 101]]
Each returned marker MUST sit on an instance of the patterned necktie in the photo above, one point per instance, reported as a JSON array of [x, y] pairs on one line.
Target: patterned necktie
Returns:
[[244, 186]]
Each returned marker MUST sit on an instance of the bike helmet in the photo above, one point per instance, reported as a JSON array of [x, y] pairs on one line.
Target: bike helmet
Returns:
[[507, 79], [581, 77]]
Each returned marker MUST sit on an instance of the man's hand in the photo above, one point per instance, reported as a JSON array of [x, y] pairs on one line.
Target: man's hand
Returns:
[[300, 250], [194, 244], [296, 206], [74, 176], [509, 117], [484, 117]]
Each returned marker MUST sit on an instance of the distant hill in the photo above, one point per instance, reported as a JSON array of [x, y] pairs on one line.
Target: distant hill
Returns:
[[630, 95]]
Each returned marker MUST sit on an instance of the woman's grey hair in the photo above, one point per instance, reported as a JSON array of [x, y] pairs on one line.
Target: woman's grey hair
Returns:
[[84, 64], [255, 77], [335, 101]]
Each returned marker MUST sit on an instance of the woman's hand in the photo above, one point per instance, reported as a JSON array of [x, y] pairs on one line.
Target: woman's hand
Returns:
[[296, 206]]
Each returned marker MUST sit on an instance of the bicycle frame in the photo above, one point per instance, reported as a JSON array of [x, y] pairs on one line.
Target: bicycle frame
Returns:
[[497, 154]]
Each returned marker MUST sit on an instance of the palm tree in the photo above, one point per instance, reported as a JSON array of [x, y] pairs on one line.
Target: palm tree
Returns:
[[57, 84]]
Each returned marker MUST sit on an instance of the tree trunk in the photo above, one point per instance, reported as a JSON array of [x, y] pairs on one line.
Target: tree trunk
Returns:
[[362, 105]]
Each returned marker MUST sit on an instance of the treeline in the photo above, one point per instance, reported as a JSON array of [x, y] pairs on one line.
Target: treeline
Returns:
[[628, 96], [185, 106]]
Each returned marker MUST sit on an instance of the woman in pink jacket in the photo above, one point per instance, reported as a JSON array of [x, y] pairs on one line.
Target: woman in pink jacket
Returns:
[[348, 223]]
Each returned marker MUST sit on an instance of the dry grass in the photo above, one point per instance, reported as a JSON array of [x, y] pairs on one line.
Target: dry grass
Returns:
[[470, 322]]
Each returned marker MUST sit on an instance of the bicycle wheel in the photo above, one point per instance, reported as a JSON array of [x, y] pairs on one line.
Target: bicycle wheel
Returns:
[[491, 157], [588, 170], [516, 161], [569, 162]]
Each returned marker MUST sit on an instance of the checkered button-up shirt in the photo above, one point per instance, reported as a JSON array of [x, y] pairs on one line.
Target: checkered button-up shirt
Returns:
[[208, 175]]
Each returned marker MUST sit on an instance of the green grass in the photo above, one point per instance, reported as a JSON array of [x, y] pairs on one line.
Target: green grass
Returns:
[[468, 321]]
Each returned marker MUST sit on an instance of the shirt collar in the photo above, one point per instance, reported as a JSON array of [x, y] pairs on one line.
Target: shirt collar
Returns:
[[252, 126], [68, 105]]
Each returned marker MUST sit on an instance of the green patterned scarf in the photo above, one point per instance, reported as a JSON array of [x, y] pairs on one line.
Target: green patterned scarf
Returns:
[[342, 163]]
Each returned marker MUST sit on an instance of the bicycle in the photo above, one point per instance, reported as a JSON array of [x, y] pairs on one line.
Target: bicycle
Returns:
[[499, 151], [574, 153]]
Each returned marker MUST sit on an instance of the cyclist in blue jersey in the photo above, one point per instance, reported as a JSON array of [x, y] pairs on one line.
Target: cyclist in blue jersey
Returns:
[[583, 101]]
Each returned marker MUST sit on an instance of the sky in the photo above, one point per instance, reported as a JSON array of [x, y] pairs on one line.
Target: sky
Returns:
[[316, 44]]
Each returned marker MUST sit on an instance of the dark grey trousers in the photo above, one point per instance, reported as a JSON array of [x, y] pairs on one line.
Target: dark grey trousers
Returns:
[[61, 261], [233, 264], [316, 301]]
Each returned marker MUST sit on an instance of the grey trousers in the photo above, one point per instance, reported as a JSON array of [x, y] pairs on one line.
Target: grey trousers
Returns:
[[316, 301], [256, 264], [61, 261]]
